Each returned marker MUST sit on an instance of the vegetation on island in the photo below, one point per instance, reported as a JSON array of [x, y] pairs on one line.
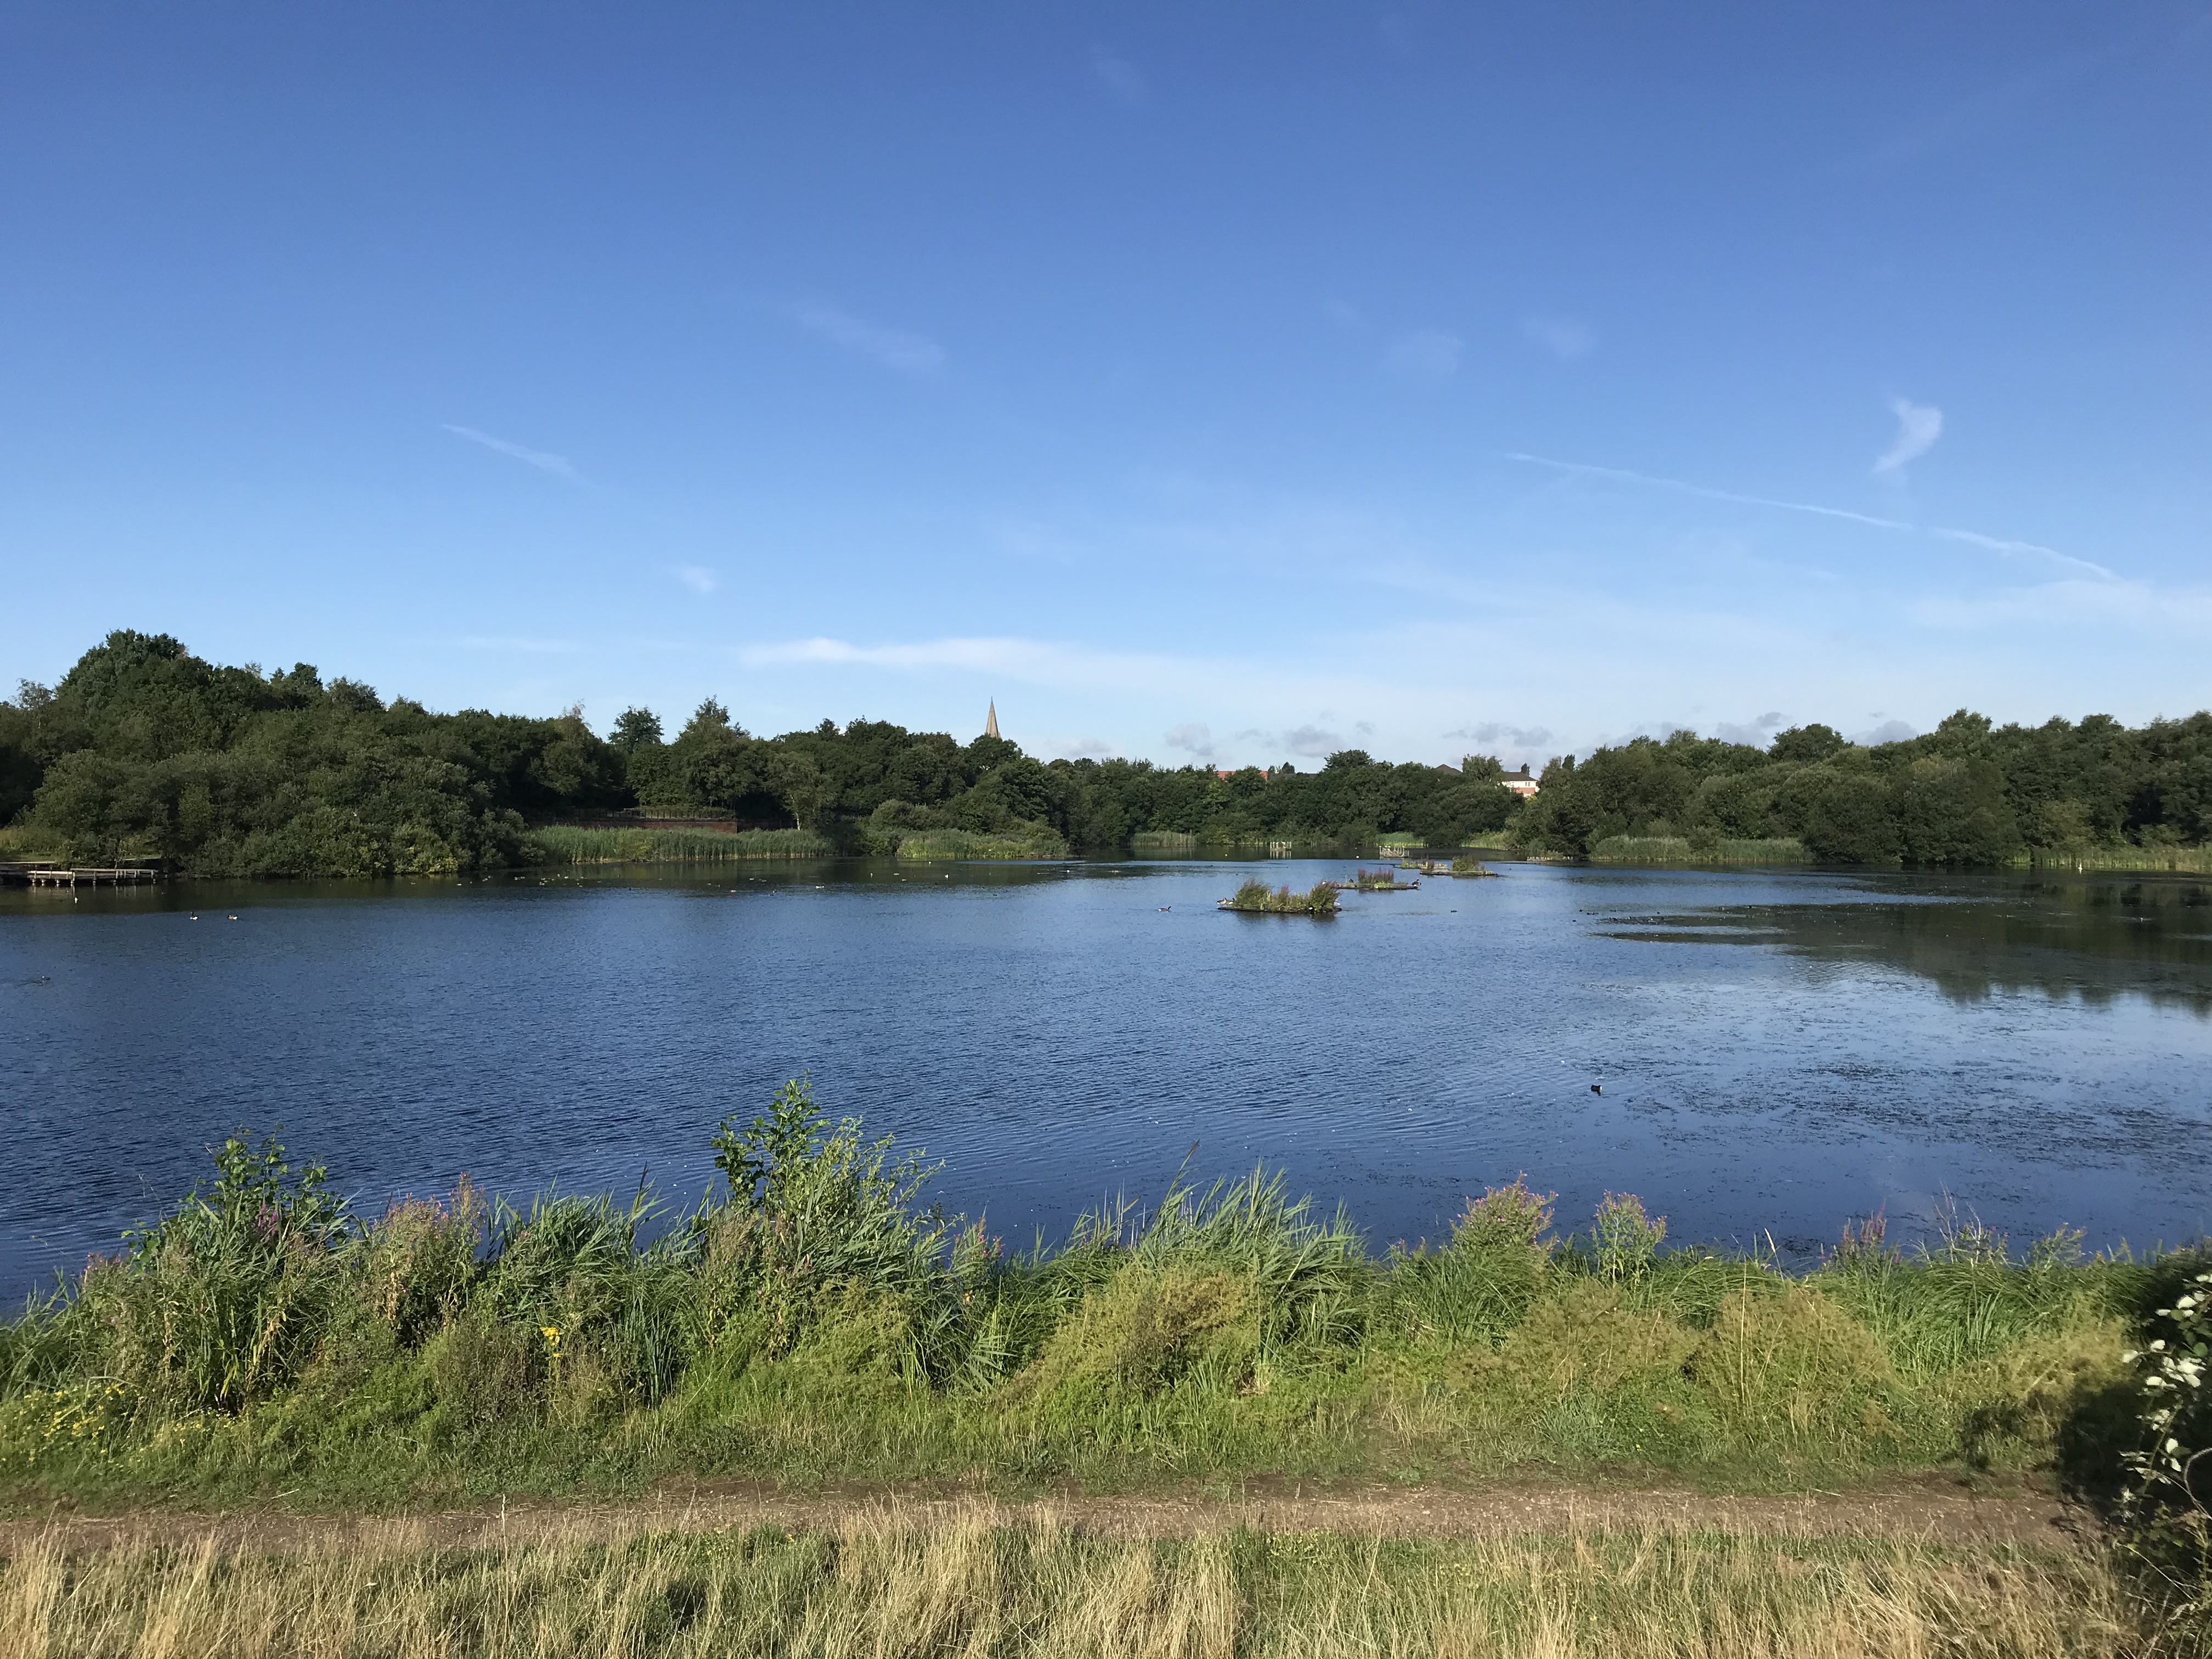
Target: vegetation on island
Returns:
[[1254, 895], [1380, 881], [143, 750]]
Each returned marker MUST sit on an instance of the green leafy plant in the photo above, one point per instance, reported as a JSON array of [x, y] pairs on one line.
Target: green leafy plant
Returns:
[[1626, 1238], [2168, 1499]]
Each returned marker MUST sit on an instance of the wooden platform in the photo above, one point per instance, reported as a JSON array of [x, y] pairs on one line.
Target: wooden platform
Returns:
[[52, 876]]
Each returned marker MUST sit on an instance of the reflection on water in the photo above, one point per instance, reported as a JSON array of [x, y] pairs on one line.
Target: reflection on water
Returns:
[[2091, 938], [1776, 1049]]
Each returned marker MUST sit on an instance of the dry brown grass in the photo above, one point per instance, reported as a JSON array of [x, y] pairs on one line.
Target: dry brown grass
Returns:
[[986, 1581]]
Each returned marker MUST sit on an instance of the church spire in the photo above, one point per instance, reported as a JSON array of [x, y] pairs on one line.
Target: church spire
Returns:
[[991, 720]]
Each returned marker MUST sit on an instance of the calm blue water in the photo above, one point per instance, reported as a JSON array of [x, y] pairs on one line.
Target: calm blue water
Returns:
[[1776, 1051]]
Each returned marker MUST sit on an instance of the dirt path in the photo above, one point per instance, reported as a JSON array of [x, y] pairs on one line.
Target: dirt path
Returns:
[[1937, 1512]]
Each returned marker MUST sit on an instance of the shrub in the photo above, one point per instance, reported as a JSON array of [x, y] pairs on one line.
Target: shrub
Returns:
[[417, 1264], [1481, 1284], [1139, 1335], [1789, 1364], [220, 1303], [1626, 1238], [2168, 1499], [811, 1209]]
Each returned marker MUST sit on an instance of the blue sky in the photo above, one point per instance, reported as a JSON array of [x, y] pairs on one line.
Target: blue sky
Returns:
[[1219, 382]]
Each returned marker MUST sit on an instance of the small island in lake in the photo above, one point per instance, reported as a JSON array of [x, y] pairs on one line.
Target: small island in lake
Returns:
[[1380, 881], [1255, 897]]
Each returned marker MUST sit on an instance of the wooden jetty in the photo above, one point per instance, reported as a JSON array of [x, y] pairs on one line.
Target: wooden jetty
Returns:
[[50, 875]]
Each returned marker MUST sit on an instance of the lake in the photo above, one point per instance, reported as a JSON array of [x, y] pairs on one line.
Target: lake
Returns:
[[1775, 1050]]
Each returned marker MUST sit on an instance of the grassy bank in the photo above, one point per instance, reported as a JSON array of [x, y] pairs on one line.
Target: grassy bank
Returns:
[[980, 1583], [812, 1323], [1679, 849], [562, 843]]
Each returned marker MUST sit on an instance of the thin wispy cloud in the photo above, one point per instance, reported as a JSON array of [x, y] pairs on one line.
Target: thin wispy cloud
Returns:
[[1120, 78], [1970, 537], [1426, 353], [539, 459], [1562, 337], [1918, 427], [1706, 493], [511, 642], [697, 577], [1988, 110], [2001, 545], [892, 348]]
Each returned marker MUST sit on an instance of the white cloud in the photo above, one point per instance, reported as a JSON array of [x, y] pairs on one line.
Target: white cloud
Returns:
[[1120, 77], [909, 353], [537, 458], [1918, 427], [1196, 736], [1426, 353], [697, 577], [1888, 732], [1523, 737], [1562, 337], [1311, 740], [1085, 749], [1755, 735]]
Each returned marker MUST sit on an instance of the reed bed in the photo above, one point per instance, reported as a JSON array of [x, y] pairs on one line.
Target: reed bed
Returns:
[[2190, 860], [569, 844], [1680, 849], [946, 845], [983, 1583]]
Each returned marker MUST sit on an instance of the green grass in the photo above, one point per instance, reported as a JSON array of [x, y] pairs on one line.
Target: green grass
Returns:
[[21, 842], [934, 844], [1679, 849], [813, 1324], [561, 843]]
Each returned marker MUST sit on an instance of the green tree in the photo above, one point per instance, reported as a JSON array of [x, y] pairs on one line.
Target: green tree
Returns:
[[1841, 812], [1806, 744], [636, 728]]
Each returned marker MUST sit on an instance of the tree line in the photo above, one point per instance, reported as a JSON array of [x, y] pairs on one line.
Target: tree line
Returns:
[[1967, 793], [144, 749]]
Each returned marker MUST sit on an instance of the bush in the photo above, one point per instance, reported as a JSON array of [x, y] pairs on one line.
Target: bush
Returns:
[[1481, 1284], [220, 1301]]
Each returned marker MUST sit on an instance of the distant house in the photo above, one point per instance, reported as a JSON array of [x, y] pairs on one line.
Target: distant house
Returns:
[[1520, 782]]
